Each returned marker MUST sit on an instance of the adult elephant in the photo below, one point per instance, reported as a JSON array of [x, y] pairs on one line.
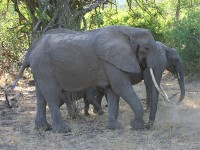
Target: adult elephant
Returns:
[[102, 57], [173, 65]]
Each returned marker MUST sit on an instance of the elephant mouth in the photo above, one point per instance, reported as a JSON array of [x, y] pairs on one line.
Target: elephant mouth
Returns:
[[159, 89]]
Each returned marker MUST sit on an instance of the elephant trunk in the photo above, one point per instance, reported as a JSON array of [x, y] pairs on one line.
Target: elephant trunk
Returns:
[[179, 72]]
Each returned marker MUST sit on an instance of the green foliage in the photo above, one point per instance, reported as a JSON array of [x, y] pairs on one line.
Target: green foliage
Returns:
[[134, 17], [158, 16], [13, 38], [95, 19], [185, 36]]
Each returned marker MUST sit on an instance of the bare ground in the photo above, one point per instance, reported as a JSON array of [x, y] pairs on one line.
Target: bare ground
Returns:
[[176, 128]]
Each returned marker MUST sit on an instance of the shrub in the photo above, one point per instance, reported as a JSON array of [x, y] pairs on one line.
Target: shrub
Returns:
[[13, 38], [185, 36]]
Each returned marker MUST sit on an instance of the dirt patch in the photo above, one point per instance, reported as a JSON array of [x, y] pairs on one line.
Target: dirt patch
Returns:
[[175, 128]]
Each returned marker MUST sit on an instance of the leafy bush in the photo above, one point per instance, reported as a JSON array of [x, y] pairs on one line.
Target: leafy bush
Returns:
[[13, 38], [134, 17], [185, 36]]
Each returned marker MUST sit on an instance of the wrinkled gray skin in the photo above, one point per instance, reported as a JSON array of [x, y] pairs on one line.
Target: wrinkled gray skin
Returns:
[[173, 65], [103, 57], [89, 94]]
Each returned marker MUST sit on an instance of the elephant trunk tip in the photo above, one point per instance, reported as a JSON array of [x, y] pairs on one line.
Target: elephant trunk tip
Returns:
[[181, 99], [180, 76]]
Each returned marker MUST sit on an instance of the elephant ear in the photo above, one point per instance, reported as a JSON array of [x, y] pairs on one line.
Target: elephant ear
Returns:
[[117, 50], [162, 48]]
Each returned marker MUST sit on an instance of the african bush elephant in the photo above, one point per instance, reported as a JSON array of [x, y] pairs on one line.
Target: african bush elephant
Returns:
[[89, 96], [102, 57], [173, 65]]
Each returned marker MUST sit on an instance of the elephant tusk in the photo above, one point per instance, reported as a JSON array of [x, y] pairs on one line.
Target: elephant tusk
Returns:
[[167, 98], [160, 90], [178, 75]]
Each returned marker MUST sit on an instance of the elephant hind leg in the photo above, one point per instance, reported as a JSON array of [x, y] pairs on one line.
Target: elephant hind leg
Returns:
[[40, 119], [50, 90], [122, 86]]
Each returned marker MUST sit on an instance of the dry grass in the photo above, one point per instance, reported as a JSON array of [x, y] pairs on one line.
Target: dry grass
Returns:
[[176, 128]]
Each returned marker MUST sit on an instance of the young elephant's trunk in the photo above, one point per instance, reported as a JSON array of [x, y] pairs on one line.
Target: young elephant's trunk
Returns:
[[180, 74]]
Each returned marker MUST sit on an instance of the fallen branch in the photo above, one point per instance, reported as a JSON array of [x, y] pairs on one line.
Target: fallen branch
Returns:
[[10, 101], [185, 90], [193, 91], [7, 101], [174, 95]]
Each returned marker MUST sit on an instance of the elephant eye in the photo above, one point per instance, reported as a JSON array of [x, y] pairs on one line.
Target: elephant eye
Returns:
[[137, 51]]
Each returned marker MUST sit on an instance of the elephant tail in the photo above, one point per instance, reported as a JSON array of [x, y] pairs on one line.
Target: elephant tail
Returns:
[[25, 65]]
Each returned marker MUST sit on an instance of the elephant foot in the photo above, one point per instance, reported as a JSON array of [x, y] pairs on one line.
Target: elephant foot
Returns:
[[147, 109], [149, 125], [137, 123], [43, 126], [99, 112], [113, 124], [73, 115], [96, 110], [62, 129], [86, 113]]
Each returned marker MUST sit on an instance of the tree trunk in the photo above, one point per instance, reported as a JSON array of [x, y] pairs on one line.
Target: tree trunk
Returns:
[[178, 8]]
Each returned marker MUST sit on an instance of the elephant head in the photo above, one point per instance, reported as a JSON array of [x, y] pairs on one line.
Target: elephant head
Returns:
[[130, 49], [174, 66]]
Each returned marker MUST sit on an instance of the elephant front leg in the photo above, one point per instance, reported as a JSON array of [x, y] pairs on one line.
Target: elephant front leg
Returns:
[[113, 108], [153, 109], [90, 97], [86, 107], [99, 96], [121, 85], [153, 100], [148, 86]]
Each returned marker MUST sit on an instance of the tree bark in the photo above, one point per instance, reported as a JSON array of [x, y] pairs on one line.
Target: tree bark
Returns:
[[178, 8]]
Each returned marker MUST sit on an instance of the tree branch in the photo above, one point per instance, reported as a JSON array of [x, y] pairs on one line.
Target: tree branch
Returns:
[[84, 23], [21, 17], [35, 29], [178, 10], [143, 8], [31, 8], [65, 10], [93, 6], [52, 20]]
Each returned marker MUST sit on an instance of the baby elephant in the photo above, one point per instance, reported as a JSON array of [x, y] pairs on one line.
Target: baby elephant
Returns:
[[89, 95]]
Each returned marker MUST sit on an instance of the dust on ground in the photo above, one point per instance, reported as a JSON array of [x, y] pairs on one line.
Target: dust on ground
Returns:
[[176, 128]]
